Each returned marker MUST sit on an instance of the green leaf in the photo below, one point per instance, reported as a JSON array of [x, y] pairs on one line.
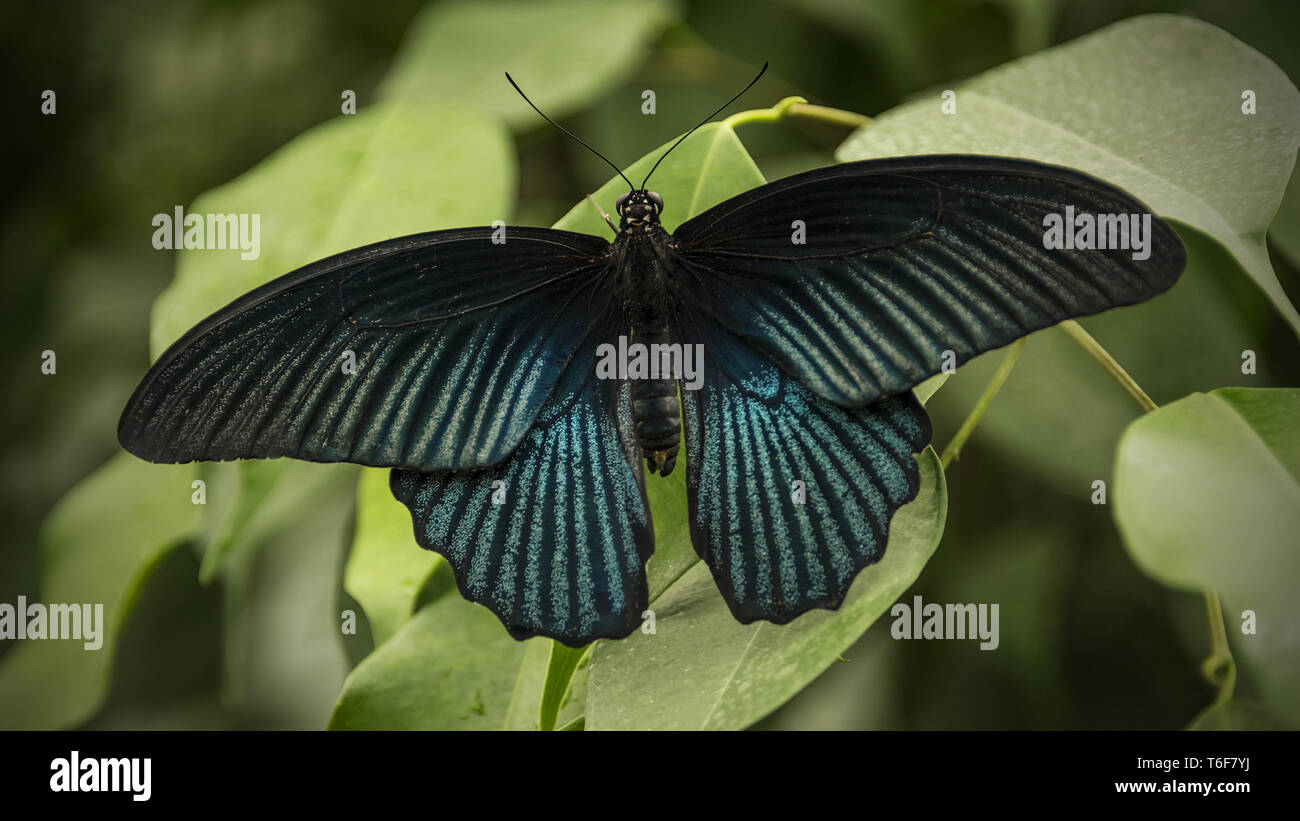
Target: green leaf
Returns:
[[98, 546], [385, 172], [930, 387], [247, 484], [709, 167], [559, 672], [1151, 104], [458, 50], [702, 669], [529, 678], [386, 569], [1207, 495], [451, 667]]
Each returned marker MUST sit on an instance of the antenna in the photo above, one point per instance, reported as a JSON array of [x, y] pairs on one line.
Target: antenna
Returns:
[[702, 122], [570, 134]]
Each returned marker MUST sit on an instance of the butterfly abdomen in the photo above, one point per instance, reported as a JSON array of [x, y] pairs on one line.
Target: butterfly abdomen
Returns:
[[655, 409]]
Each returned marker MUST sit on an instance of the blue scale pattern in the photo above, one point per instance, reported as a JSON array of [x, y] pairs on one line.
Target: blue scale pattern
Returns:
[[751, 433]]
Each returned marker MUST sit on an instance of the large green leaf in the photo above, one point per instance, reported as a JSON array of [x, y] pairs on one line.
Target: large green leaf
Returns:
[[1207, 495], [452, 666], [98, 547], [1151, 104], [386, 570], [458, 51], [702, 669]]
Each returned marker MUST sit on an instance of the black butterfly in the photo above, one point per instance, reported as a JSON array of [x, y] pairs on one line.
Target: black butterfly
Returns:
[[477, 378]]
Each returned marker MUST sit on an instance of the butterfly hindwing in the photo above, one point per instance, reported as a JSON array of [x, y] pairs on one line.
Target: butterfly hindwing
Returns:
[[554, 540], [790, 495], [858, 278], [432, 351]]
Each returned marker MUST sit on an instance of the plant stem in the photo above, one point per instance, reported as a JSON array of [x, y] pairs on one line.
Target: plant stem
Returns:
[[1220, 654], [797, 107], [963, 433], [835, 116], [1108, 362]]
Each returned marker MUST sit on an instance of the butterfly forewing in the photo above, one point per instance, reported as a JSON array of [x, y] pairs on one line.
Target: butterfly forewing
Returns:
[[860, 280], [431, 352]]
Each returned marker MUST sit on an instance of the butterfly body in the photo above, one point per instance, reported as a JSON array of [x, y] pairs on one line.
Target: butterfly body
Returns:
[[641, 262]]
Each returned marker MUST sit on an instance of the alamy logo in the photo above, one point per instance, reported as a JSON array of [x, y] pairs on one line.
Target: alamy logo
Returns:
[[53, 621], [1098, 232], [952, 621], [77, 774], [209, 232], [658, 360]]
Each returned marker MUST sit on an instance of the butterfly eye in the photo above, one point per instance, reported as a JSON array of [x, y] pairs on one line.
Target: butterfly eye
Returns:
[[657, 200], [618, 204]]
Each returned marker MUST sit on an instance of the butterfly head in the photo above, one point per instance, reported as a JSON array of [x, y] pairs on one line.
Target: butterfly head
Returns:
[[639, 209]]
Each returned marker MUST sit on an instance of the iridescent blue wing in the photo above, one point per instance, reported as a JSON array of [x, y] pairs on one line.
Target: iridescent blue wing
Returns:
[[790, 494], [432, 351], [554, 540], [903, 259]]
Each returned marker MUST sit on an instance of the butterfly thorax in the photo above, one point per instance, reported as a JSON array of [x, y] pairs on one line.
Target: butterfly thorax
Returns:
[[639, 257]]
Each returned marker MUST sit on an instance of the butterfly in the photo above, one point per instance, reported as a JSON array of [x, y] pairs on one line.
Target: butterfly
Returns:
[[815, 302]]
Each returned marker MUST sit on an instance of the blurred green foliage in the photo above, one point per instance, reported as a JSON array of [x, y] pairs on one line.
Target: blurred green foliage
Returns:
[[158, 103]]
